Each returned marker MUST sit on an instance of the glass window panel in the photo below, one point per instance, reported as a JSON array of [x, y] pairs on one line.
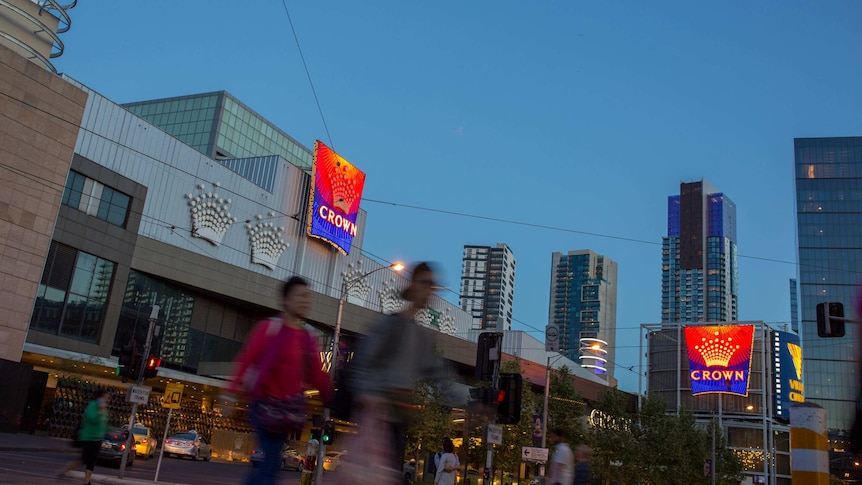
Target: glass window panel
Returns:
[[48, 309], [73, 316], [93, 318]]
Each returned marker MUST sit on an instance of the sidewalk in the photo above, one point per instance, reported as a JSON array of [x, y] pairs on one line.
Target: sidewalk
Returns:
[[97, 478], [28, 443], [33, 443]]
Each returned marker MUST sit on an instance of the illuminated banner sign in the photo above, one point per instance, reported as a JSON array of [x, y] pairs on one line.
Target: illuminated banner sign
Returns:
[[334, 200], [788, 373], [719, 358]]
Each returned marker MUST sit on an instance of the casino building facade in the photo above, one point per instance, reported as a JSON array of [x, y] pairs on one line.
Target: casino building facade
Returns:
[[740, 376]]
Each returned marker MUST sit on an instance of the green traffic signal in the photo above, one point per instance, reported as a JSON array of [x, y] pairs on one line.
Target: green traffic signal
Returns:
[[328, 434], [117, 370]]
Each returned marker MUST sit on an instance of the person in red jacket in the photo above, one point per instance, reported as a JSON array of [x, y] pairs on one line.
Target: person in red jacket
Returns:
[[280, 359]]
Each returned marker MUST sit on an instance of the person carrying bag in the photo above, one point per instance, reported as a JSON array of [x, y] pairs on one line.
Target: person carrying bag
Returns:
[[279, 361]]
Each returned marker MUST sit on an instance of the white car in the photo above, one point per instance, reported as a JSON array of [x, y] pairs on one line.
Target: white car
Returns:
[[189, 444], [332, 459]]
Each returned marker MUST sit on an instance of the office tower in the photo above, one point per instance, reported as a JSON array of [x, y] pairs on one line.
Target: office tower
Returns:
[[222, 128], [699, 262], [488, 286], [794, 305], [583, 310], [829, 219]]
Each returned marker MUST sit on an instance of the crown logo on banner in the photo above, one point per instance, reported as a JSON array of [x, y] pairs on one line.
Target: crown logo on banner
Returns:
[[344, 190], [266, 242], [717, 352], [796, 353], [210, 215]]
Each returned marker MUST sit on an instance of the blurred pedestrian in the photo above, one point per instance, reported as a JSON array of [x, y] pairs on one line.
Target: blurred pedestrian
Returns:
[[583, 472], [278, 362], [94, 425], [447, 467], [562, 462], [389, 362]]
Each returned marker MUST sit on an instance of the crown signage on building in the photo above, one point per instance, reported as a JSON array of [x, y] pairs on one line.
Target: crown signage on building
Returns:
[[334, 198], [719, 358], [787, 373]]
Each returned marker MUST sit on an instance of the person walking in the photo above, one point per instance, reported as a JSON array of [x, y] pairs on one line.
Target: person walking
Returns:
[[562, 463], [387, 366], [447, 468], [279, 361], [439, 455], [583, 472], [94, 425]]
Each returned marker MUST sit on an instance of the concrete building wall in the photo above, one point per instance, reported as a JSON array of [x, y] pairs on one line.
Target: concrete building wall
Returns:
[[39, 118]]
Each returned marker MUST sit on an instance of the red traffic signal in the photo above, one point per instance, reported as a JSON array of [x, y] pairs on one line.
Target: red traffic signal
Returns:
[[152, 368]]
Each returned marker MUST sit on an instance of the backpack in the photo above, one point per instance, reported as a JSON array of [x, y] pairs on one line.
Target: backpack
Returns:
[[432, 465]]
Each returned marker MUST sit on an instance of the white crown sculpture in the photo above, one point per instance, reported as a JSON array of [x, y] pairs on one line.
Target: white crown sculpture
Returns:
[[447, 323], [210, 215], [390, 298], [423, 317], [357, 287], [266, 242]]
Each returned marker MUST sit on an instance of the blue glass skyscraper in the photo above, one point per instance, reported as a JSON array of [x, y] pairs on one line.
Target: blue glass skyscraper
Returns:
[[699, 261], [829, 231]]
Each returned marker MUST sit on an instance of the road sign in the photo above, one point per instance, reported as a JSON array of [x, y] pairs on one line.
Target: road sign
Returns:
[[534, 455], [173, 394], [138, 394], [494, 433]]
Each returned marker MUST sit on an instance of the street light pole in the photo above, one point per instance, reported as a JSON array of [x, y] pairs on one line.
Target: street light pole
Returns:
[[333, 367], [545, 407]]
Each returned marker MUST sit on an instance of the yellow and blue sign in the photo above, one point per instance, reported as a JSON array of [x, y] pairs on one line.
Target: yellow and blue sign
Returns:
[[789, 388]]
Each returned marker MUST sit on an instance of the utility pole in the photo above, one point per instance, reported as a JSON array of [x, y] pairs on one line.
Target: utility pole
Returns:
[[130, 440]]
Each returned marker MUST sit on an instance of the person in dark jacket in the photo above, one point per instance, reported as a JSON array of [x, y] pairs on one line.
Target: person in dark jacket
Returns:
[[94, 425], [392, 358], [583, 472]]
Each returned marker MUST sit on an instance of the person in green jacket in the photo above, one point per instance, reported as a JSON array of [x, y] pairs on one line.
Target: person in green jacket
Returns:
[[94, 425]]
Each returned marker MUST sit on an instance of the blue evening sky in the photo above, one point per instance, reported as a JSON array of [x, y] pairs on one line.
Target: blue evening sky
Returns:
[[583, 115]]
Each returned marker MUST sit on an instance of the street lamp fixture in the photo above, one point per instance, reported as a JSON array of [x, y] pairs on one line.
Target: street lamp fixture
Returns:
[[345, 288]]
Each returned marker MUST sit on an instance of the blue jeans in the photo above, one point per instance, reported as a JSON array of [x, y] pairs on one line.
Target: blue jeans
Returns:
[[271, 446]]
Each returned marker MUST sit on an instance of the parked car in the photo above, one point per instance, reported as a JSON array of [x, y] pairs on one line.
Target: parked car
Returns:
[[145, 444], [290, 458], [114, 447], [189, 444], [332, 459]]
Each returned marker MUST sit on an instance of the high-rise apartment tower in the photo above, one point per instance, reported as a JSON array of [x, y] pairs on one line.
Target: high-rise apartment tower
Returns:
[[488, 286], [583, 310], [699, 261]]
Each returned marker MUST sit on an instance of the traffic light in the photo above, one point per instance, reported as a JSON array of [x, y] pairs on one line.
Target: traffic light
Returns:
[[827, 324], [126, 361], [328, 435], [508, 399], [152, 368], [486, 474], [488, 351]]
